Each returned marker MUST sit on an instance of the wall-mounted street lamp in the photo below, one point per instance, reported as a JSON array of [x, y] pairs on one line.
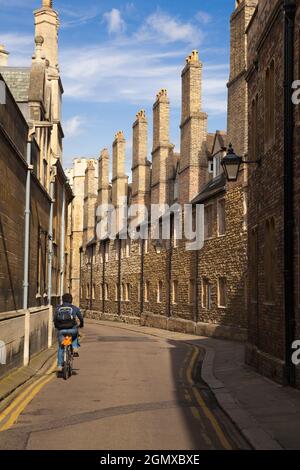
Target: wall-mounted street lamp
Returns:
[[231, 164]]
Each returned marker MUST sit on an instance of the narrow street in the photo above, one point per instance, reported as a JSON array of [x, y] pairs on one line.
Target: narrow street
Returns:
[[130, 390]]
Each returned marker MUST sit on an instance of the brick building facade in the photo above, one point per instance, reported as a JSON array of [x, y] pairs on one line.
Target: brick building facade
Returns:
[[158, 281], [31, 144], [273, 295]]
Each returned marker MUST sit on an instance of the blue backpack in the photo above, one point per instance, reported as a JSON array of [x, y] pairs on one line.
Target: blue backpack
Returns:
[[65, 318]]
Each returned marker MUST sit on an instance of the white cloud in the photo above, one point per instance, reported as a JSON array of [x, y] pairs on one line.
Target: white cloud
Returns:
[[161, 27], [203, 17], [74, 18], [115, 22], [134, 74], [20, 48], [15, 41], [73, 126]]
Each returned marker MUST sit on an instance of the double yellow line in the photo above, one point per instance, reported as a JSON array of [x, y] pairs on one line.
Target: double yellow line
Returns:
[[217, 428], [11, 414]]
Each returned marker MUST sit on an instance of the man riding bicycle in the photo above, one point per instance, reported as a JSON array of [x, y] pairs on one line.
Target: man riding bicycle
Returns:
[[65, 321]]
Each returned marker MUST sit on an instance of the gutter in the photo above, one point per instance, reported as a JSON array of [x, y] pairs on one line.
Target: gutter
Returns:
[[289, 9]]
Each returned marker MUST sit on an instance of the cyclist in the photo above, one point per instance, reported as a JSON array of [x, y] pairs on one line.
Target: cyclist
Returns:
[[65, 321]]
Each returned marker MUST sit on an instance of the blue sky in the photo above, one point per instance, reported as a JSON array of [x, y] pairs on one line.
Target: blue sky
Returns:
[[115, 55]]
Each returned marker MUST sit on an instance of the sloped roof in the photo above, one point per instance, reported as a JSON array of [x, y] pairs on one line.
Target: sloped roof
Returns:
[[214, 187], [18, 81]]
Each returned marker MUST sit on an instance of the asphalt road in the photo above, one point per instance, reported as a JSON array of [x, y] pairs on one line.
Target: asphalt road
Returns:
[[130, 391]]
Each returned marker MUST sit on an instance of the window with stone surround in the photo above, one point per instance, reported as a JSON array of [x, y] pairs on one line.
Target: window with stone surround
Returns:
[[125, 292], [222, 292], [41, 280], [174, 292], [269, 90], [221, 217], [206, 294], [128, 290], [106, 292], [116, 292], [123, 249], [128, 247], [101, 292], [269, 260], [106, 251], [208, 221], [159, 292], [147, 291], [93, 292], [116, 248], [87, 291], [192, 291]]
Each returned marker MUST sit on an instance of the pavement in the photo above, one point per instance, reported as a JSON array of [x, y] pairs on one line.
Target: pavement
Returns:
[[144, 388]]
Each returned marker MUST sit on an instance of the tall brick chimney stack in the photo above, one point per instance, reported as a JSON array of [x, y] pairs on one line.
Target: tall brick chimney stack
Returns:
[[90, 200], [140, 163], [120, 179], [237, 124], [193, 129], [46, 26], [3, 56], [103, 179], [161, 148]]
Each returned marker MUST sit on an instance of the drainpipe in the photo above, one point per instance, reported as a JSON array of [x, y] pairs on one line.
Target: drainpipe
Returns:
[[26, 350], [197, 286], [169, 270], [103, 276], [289, 9], [50, 245], [91, 279], [62, 242], [119, 278], [50, 257], [142, 241], [27, 221]]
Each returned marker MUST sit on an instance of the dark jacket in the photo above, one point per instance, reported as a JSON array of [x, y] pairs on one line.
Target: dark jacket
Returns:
[[76, 311]]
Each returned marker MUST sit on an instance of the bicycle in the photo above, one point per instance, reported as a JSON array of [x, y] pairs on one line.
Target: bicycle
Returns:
[[68, 357]]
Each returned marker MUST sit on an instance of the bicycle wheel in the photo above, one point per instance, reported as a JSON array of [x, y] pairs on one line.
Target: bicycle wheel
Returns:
[[66, 371], [66, 364]]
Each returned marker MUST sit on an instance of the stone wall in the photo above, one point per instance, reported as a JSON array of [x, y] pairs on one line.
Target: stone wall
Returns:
[[23, 335]]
